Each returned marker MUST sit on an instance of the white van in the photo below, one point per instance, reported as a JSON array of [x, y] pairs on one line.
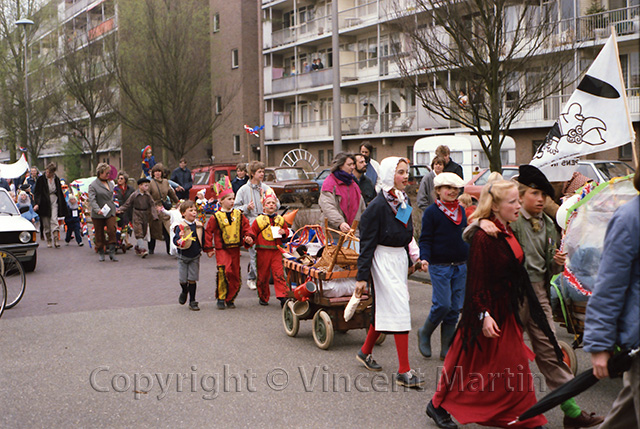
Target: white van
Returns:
[[465, 150]]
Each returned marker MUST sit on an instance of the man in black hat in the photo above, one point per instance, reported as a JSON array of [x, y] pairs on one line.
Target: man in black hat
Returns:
[[537, 234]]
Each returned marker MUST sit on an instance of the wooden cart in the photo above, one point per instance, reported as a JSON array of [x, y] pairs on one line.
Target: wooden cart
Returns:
[[327, 313]]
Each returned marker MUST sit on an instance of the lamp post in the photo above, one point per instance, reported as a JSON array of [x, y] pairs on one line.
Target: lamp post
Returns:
[[24, 23]]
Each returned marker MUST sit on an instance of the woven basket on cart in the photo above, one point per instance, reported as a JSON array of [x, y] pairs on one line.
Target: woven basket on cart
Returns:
[[340, 253]]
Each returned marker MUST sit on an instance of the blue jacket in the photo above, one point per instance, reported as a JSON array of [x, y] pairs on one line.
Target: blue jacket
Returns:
[[613, 312], [441, 239]]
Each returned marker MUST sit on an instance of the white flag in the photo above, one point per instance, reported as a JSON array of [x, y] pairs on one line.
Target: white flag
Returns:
[[595, 118], [17, 169]]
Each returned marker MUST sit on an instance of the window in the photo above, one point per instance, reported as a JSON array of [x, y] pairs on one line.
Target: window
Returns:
[[409, 152], [216, 22], [321, 157], [235, 59], [330, 155], [218, 105], [625, 152], [236, 143], [535, 145]]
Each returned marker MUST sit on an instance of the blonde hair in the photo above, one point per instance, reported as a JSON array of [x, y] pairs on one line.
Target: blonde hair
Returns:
[[494, 176], [465, 199], [491, 193]]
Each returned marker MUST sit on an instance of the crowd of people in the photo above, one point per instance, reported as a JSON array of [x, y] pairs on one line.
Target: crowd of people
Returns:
[[490, 267]]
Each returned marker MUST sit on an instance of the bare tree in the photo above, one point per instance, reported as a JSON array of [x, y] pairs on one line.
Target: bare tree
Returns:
[[89, 93], [501, 54], [162, 67]]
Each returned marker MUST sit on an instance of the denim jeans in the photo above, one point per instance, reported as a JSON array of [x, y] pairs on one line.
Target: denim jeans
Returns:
[[448, 283]]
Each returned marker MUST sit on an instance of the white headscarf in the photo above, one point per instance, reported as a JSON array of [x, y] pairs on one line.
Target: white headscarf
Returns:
[[387, 175]]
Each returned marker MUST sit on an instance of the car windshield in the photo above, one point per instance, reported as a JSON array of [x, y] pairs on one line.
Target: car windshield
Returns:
[[613, 169], [419, 171], [201, 178], [323, 175], [507, 174], [290, 174], [7, 205]]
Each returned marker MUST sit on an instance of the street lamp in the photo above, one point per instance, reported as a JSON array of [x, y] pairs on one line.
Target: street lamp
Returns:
[[24, 23]]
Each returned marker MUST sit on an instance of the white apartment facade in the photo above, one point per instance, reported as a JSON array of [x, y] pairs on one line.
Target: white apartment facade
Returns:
[[375, 106]]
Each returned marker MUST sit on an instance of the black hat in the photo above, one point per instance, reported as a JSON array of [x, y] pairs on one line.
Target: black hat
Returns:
[[530, 176], [143, 180], [25, 186]]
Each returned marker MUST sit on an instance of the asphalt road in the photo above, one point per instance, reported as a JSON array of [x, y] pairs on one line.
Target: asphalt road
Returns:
[[107, 345]]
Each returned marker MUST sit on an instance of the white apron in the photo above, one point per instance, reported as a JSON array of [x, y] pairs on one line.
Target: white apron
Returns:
[[390, 281]]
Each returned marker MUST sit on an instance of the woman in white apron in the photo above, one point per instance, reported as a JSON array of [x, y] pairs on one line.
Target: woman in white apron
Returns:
[[386, 237]]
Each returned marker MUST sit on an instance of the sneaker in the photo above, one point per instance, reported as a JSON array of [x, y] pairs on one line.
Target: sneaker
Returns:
[[221, 305], [66, 243], [230, 304], [584, 420], [81, 244], [263, 302], [368, 362], [251, 284], [144, 253], [193, 305], [409, 379]]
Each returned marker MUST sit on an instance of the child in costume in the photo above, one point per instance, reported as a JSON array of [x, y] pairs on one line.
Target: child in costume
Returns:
[[148, 161], [442, 246], [225, 232], [144, 209], [188, 240], [72, 220], [269, 256]]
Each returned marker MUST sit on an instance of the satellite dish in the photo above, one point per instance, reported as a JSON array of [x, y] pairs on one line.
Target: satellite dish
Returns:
[[300, 158]]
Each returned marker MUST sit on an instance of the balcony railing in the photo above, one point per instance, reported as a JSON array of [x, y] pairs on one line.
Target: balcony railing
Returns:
[[306, 30], [301, 81]]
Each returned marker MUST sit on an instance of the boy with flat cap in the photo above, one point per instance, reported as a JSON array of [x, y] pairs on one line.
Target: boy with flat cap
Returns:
[[143, 209], [536, 232]]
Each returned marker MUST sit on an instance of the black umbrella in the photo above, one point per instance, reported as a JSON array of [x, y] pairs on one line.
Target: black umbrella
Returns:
[[616, 365]]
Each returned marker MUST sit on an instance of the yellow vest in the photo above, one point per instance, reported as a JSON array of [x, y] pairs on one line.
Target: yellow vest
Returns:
[[264, 224], [230, 230]]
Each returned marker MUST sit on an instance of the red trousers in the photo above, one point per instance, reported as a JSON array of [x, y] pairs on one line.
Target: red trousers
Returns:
[[269, 261], [228, 279]]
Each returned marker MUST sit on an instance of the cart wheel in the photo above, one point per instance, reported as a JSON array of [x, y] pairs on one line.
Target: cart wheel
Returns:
[[290, 321], [322, 330], [381, 339], [569, 356]]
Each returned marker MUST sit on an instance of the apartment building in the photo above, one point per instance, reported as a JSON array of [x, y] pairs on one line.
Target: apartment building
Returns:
[[235, 84], [375, 105]]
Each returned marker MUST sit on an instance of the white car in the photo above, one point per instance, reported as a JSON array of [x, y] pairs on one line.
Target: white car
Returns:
[[17, 234]]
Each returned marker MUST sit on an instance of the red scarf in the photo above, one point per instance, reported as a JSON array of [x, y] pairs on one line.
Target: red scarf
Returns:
[[452, 210]]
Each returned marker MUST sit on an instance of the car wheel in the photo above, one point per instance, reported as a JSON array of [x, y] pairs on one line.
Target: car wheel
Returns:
[[30, 265]]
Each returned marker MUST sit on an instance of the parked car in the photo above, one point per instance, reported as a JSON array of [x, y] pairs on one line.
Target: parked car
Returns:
[[417, 172], [291, 185], [597, 170], [320, 178], [205, 177], [17, 234]]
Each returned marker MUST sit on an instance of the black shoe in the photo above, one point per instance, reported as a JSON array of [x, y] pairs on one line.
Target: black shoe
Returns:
[[409, 379], [282, 301], [182, 298], [193, 305], [441, 417], [221, 305], [368, 362], [263, 302], [230, 304]]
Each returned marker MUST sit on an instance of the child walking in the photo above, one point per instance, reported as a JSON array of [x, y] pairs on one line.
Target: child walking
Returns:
[[442, 246], [144, 209], [226, 230], [72, 220], [188, 240], [269, 257]]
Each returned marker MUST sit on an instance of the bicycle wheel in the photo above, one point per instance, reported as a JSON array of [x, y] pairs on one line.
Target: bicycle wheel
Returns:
[[14, 278], [3, 295]]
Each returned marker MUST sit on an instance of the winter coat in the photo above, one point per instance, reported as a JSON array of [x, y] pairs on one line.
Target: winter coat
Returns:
[[159, 192], [330, 202], [42, 200], [99, 195]]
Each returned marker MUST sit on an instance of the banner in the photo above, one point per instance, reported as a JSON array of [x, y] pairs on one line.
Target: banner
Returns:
[[17, 169], [595, 118]]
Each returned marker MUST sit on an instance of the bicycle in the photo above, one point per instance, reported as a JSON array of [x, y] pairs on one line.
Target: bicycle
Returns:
[[14, 277], [3, 295]]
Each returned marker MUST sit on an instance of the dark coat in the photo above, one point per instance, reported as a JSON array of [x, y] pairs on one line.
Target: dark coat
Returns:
[[41, 198], [121, 197], [367, 189], [183, 178], [453, 167]]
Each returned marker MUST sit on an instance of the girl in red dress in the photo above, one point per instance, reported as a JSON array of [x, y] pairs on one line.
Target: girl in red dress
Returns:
[[486, 377]]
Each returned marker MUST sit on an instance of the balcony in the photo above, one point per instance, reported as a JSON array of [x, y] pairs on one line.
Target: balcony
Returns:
[[311, 79], [307, 30], [359, 15], [597, 26]]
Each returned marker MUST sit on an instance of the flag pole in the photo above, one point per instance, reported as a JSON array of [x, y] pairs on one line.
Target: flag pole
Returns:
[[634, 149]]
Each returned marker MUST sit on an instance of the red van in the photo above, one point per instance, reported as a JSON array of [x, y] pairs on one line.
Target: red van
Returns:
[[205, 177]]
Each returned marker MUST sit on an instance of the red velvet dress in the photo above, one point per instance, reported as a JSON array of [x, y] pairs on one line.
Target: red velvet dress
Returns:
[[488, 381]]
